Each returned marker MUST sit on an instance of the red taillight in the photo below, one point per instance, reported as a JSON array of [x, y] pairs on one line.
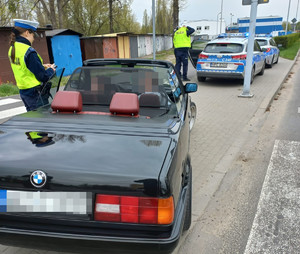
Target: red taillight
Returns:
[[128, 209], [202, 56], [107, 208], [148, 210], [268, 50], [239, 57]]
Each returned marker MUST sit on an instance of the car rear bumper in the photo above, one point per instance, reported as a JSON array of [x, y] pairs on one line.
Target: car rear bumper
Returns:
[[220, 74], [84, 240], [86, 244]]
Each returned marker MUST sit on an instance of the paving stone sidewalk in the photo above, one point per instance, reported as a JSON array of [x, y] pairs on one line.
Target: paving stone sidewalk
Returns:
[[222, 119]]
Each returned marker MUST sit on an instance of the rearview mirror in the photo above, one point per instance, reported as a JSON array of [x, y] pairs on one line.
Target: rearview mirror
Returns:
[[190, 87]]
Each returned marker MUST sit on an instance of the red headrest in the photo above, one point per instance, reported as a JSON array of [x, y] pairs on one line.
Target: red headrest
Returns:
[[124, 103], [67, 101]]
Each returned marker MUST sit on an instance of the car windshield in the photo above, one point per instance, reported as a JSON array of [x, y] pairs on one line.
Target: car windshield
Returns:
[[97, 85], [223, 48], [262, 42]]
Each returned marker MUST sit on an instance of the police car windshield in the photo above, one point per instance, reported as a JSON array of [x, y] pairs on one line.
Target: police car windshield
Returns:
[[223, 48], [262, 42]]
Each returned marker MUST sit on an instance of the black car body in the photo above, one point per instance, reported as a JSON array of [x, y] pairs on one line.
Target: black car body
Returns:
[[105, 166]]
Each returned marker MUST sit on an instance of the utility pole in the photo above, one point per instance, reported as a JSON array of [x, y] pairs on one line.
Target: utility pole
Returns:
[[221, 16], [153, 22], [231, 19], [287, 19], [248, 68]]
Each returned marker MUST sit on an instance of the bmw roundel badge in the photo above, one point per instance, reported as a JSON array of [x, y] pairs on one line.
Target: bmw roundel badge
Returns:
[[38, 178]]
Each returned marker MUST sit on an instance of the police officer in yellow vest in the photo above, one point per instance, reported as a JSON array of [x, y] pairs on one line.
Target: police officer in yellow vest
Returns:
[[27, 65], [182, 43]]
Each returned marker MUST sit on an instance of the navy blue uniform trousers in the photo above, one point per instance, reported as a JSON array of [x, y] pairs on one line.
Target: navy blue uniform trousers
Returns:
[[181, 55]]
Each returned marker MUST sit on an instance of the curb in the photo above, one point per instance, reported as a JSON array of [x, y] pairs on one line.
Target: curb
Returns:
[[269, 99]]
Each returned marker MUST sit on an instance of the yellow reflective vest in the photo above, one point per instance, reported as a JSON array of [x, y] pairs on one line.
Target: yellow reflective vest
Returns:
[[24, 77], [181, 40]]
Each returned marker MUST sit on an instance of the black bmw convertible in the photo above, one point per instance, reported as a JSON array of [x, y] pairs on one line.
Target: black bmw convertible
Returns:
[[103, 168]]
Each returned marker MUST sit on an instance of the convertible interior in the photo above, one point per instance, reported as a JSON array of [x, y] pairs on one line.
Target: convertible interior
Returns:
[[118, 91]]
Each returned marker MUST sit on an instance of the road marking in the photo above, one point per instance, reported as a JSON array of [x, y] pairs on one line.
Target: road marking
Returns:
[[277, 221], [8, 101], [299, 110], [12, 112]]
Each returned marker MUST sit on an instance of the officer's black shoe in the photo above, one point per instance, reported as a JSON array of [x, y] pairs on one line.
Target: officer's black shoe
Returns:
[[186, 79]]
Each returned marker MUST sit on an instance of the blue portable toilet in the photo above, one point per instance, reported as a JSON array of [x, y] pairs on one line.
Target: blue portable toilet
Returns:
[[64, 49]]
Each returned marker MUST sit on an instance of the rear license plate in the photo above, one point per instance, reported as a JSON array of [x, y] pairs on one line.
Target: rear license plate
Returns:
[[218, 65], [59, 202]]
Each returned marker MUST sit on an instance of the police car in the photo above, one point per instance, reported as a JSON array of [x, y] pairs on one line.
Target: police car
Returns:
[[269, 47], [225, 57]]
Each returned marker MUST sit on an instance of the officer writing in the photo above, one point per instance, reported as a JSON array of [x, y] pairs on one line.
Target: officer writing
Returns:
[[182, 43], [27, 65]]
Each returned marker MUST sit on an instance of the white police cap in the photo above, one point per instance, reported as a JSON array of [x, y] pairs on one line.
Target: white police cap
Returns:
[[27, 24]]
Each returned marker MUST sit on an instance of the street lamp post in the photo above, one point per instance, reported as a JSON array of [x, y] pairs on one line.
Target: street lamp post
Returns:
[[231, 19], [287, 19], [221, 16], [218, 21]]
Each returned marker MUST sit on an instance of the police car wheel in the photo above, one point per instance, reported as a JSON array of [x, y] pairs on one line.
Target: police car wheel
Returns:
[[272, 61]]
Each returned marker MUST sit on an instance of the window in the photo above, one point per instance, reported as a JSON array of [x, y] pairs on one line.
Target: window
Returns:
[[206, 27], [198, 28], [262, 42], [256, 46], [223, 48]]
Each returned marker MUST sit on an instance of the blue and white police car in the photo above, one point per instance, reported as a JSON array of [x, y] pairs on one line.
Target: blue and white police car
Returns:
[[270, 48], [225, 57]]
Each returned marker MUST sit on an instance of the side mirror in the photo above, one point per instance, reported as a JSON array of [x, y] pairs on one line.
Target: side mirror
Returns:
[[191, 87]]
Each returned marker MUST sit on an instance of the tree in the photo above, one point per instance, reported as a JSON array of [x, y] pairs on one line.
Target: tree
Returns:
[[146, 27], [284, 25], [175, 13]]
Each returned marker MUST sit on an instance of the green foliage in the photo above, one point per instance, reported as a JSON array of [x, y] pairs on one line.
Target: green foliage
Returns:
[[8, 89], [287, 41], [291, 52]]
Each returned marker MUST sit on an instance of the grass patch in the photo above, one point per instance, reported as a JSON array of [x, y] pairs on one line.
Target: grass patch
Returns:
[[166, 55], [291, 52], [8, 89], [11, 89]]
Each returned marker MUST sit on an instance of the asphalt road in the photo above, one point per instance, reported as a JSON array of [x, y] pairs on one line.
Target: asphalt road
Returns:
[[231, 146]]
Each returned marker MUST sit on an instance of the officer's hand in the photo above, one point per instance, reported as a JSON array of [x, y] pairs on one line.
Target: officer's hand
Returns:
[[53, 66], [47, 66]]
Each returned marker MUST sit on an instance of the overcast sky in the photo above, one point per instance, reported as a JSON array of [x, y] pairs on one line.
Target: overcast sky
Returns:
[[209, 9]]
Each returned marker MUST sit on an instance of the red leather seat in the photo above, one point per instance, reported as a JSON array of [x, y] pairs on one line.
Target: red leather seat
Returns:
[[67, 101], [124, 104]]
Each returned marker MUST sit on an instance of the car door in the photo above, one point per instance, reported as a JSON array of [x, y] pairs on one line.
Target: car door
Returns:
[[258, 57], [275, 49], [196, 48]]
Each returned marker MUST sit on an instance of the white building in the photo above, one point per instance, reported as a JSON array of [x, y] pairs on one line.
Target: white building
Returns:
[[211, 28]]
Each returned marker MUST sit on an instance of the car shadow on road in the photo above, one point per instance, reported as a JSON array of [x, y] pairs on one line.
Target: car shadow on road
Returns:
[[219, 82]]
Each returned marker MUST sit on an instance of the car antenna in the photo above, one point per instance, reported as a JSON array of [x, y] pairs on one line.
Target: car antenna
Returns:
[[60, 77]]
